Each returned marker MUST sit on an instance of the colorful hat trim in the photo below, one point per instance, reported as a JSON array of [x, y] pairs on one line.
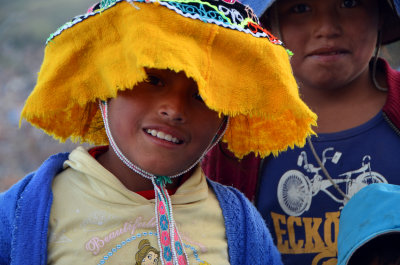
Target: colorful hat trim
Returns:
[[195, 9]]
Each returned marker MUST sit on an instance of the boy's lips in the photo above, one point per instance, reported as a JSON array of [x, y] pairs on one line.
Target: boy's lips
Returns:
[[328, 51], [165, 134]]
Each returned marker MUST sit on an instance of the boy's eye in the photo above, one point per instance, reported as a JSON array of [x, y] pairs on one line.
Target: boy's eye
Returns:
[[154, 80], [300, 8], [349, 3]]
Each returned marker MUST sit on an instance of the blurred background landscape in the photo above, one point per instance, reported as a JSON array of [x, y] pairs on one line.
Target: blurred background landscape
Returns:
[[24, 28]]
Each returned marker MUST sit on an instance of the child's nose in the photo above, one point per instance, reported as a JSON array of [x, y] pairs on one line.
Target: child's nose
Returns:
[[327, 24], [174, 107]]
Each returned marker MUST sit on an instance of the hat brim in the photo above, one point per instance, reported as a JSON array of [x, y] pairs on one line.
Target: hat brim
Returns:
[[238, 75]]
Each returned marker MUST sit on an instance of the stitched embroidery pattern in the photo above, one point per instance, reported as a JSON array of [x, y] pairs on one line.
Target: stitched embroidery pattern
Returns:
[[226, 13], [171, 250]]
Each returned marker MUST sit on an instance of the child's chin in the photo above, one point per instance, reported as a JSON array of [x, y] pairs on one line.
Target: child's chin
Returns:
[[168, 168], [165, 172]]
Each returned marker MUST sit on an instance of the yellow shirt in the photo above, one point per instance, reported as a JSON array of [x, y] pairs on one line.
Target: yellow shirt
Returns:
[[96, 220]]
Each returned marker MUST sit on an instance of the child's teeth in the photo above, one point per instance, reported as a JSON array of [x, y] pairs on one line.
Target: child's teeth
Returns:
[[163, 136]]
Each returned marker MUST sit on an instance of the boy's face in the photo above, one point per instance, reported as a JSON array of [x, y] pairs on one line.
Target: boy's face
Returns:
[[332, 40], [162, 125]]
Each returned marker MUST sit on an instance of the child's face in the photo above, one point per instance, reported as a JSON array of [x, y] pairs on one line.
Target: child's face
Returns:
[[162, 125], [332, 40]]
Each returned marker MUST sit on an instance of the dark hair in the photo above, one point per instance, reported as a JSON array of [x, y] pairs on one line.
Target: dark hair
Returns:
[[384, 250]]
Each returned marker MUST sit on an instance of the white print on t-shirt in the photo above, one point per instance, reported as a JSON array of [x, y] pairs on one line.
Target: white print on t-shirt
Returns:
[[96, 243], [96, 221], [296, 189], [128, 232]]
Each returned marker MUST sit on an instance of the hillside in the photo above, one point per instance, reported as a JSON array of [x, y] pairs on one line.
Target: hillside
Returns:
[[24, 28]]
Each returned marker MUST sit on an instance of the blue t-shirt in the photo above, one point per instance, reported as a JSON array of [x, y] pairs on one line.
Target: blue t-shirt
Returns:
[[299, 203]]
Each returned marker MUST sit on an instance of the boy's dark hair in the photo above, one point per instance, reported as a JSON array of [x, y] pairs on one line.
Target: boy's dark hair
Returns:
[[384, 250]]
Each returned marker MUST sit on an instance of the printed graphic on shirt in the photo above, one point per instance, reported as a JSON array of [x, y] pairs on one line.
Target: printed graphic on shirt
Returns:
[[301, 235], [297, 187], [146, 254], [300, 204], [146, 251]]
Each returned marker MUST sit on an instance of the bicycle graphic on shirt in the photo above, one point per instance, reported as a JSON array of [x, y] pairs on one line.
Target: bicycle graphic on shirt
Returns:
[[295, 189]]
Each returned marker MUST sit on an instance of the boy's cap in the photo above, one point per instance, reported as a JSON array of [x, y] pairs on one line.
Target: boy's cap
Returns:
[[241, 70], [373, 211], [390, 28]]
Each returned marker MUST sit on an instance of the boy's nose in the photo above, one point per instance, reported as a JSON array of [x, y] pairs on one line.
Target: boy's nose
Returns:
[[327, 25], [173, 108]]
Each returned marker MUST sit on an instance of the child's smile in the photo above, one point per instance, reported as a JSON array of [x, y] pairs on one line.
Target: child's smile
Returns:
[[164, 136]]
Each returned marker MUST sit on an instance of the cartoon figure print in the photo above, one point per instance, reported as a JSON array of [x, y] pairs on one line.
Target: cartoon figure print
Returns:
[[146, 254], [296, 189]]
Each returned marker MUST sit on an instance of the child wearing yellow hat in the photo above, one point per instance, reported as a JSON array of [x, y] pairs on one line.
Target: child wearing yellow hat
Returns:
[[154, 85]]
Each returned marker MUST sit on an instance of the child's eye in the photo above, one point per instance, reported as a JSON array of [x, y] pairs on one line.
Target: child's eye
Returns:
[[154, 80], [300, 8], [349, 3]]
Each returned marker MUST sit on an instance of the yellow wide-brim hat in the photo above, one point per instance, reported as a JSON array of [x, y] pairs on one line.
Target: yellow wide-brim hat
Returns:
[[241, 70]]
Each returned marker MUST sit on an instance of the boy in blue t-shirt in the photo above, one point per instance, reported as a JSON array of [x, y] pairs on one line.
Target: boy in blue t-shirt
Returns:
[[355, 94]]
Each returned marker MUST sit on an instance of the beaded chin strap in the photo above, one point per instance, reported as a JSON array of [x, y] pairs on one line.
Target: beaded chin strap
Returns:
[[172, 251]]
